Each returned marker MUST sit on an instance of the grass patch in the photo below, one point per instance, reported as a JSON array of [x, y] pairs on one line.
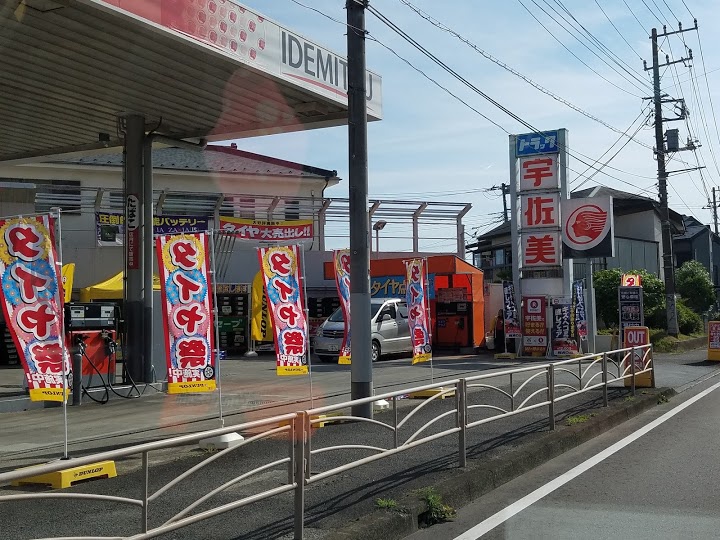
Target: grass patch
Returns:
[[662, 398], [386, 504], [629, 398], [579, 419], [437, 511]]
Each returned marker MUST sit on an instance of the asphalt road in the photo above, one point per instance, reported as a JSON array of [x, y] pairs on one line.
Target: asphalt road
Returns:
[[329, 503], [664, 484]]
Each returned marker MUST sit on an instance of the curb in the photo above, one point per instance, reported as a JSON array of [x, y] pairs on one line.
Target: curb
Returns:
[[496, 468], [691, 344]]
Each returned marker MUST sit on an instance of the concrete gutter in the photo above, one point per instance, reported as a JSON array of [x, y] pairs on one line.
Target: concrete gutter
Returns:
[[461, 487]]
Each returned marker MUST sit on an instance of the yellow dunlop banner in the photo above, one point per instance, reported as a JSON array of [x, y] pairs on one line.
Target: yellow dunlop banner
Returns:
[[260, 321], [68, 275]]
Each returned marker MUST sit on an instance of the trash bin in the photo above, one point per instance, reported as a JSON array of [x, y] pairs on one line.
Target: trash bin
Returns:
[[490, 341]]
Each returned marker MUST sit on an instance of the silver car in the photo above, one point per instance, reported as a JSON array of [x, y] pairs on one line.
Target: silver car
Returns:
[[389, 327]]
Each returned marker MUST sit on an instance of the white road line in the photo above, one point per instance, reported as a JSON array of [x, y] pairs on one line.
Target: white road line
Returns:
[[521, 504]]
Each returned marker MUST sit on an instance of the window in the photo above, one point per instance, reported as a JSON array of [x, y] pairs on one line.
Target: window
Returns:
[[403, 310], [65, 194], [243, 207], [499, 257], [292, 210], [390, 308]]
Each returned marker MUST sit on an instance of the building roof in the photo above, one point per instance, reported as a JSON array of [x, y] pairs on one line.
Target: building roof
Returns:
[[692, 228], [213, 159]]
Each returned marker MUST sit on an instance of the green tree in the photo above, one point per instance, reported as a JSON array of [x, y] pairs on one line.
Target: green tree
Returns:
[[606, 283], [693, 283]]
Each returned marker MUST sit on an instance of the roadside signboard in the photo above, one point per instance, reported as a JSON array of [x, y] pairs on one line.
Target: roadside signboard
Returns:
[[636, 336], [563, 342], [713, 340], [631, 280], [534, 325], [630, 303]]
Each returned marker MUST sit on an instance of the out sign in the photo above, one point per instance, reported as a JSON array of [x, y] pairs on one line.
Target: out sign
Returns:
[[635, 336]]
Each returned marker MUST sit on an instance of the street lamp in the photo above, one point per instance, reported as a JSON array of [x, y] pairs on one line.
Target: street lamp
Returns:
[[377, 227]]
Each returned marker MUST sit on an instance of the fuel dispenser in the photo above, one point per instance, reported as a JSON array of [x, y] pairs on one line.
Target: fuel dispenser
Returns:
[[91, 332], [454, 324]]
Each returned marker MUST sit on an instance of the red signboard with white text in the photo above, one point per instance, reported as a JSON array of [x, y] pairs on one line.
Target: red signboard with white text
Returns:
[[280, 267], [268, 231], [32, 302], [184, 261]]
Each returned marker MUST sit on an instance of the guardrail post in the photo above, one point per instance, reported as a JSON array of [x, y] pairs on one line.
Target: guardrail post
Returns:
[[551, 395], [299, 476], [652, 365], [512, 394], [461, 403], [632, 371], [144, 494], [307, 428], [605, 379], [291, 450], [395, 420]]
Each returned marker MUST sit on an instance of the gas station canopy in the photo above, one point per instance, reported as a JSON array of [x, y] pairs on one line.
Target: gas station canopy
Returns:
[[195, 69]]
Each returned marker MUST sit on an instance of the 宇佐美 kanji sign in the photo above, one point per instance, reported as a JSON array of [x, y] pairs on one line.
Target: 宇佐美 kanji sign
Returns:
[[541, 248], [540, 210], [539, 172]]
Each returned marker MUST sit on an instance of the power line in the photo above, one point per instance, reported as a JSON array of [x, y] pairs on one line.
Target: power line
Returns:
[[576, 56], [671, 11], [618, 31], [474, 88], [438, 24], [456, 75], [653, 13], [588, 178], [635, 16], [600, 45]]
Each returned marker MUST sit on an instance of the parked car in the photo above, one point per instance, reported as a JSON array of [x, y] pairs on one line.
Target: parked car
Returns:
[[389, 327]]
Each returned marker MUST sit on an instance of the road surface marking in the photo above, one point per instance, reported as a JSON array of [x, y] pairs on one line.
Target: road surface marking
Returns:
[[521, 504]]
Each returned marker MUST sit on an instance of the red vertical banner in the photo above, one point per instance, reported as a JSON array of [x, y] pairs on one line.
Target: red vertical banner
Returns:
[[184, 262], [32, 302], [341, 259], [280, 267], [418, 319]]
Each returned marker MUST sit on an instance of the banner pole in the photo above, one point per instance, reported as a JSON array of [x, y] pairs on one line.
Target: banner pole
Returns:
[[307, 323], [426, 294], [217, 328], [61, 330]]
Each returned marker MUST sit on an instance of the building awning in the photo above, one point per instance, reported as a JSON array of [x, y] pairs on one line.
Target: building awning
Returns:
[[212, 69]]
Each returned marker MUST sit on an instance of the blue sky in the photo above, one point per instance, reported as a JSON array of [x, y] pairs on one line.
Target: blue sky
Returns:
[[429, 146]]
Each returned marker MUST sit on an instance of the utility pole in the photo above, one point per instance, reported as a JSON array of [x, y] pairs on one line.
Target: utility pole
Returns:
[[715, 218], [505, 189], [668, 260], [361, 369]]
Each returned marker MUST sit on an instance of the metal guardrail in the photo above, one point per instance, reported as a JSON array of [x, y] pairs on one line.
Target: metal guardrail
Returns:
[[582, 374]]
